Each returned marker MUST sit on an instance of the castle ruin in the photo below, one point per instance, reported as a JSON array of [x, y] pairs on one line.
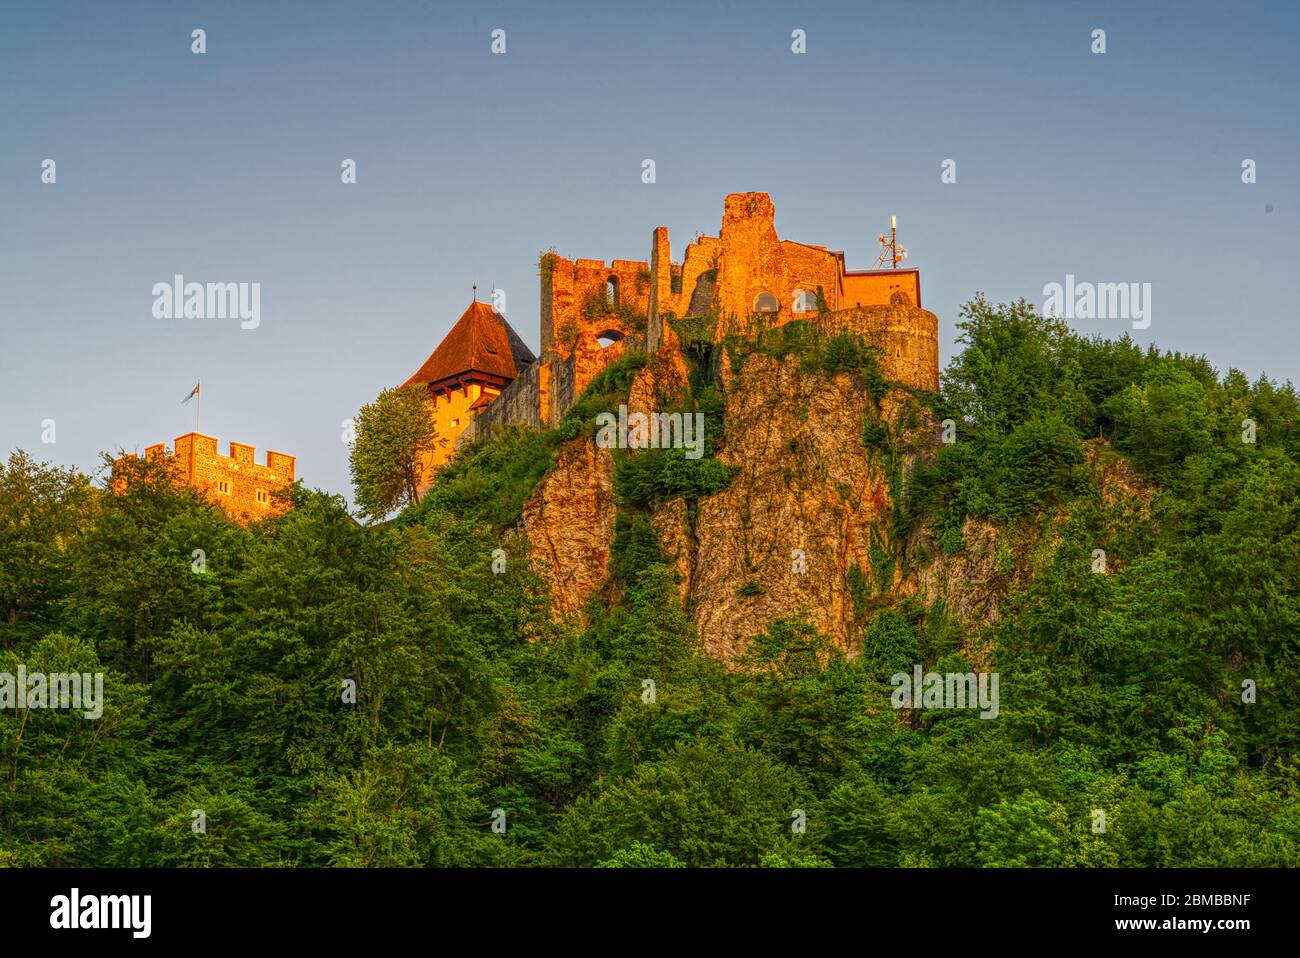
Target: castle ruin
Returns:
[[593, 311]]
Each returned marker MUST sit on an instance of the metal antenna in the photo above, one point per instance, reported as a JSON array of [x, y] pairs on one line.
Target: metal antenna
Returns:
[[891, 254]]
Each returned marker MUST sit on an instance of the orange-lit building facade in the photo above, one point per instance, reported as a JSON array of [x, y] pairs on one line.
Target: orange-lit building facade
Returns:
[[243, 488], [592, 311], [479, 358]]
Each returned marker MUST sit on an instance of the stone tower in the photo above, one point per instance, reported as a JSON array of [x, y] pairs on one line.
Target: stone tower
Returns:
[[478, 358], [243, 488]]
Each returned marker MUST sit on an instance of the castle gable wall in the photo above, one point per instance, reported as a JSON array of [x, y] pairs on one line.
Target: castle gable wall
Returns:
[[574, 294]]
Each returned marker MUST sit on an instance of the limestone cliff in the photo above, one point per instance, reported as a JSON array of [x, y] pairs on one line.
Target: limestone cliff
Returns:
[[806, 524], [569, 523], [803, 508]]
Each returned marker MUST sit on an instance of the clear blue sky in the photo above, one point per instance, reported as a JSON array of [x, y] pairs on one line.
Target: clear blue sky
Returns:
[[225, 167]]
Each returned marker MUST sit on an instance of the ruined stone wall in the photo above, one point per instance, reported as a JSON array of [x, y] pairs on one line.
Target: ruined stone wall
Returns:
[[590, 358], [568, 376], [727, 273], [699, 269], [567, 285], [661, 286], [520, 402], [544, 391], [806, 268], [752, 260], [562, 392], [676, 286]]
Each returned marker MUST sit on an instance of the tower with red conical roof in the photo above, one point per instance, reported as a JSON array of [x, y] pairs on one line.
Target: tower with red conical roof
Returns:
[[476, 360]]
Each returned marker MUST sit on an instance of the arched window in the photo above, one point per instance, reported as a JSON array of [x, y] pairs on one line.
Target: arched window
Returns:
[[611, 291], [805, 301], [608, 338], [766, 303]]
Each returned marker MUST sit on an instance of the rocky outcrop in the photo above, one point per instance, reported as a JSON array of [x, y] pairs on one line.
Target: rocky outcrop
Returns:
[[968, 582], [569, 522], [1119, 482], [677, 539], [663, 379], [803, 508], [805, 525]]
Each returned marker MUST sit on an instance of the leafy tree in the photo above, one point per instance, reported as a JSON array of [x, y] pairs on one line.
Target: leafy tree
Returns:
[[395, 435], [641, 855], [42, 510], [1027, 831], [708, 804]]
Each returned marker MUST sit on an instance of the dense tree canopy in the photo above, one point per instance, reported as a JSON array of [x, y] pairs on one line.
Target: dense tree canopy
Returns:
[[325, 693]]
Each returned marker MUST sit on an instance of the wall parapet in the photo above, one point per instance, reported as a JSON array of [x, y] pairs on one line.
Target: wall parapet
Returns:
[[241, 486]]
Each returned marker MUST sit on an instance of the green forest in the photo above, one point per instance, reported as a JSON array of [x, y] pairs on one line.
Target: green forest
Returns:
[[321, 692]]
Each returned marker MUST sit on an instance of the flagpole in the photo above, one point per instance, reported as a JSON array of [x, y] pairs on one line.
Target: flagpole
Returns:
[[198, 402]]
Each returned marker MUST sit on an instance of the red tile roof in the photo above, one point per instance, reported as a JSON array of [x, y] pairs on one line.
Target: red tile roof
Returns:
[[480, 342]]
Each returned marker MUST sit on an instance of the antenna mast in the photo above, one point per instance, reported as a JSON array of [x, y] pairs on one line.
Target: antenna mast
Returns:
[[891, 254]]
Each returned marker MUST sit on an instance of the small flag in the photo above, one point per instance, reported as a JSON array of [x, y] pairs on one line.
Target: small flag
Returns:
[[193, 392]]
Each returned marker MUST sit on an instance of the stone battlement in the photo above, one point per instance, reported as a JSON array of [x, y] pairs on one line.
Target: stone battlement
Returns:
[[240, 485], [614, 265]]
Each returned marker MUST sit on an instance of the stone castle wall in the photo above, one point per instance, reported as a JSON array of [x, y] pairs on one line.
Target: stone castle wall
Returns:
[[544, 391], [723, 276], [520, 402], [907, 336], [242, 487], [569, 285]]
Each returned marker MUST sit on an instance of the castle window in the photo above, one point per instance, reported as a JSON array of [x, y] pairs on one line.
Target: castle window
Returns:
[[223, 487], [263, 498], [455, 423], [766, 303], [805, 301], [611, 291]]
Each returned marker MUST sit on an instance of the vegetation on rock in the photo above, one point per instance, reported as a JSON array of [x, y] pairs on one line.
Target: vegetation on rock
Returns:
[[615, 742]]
